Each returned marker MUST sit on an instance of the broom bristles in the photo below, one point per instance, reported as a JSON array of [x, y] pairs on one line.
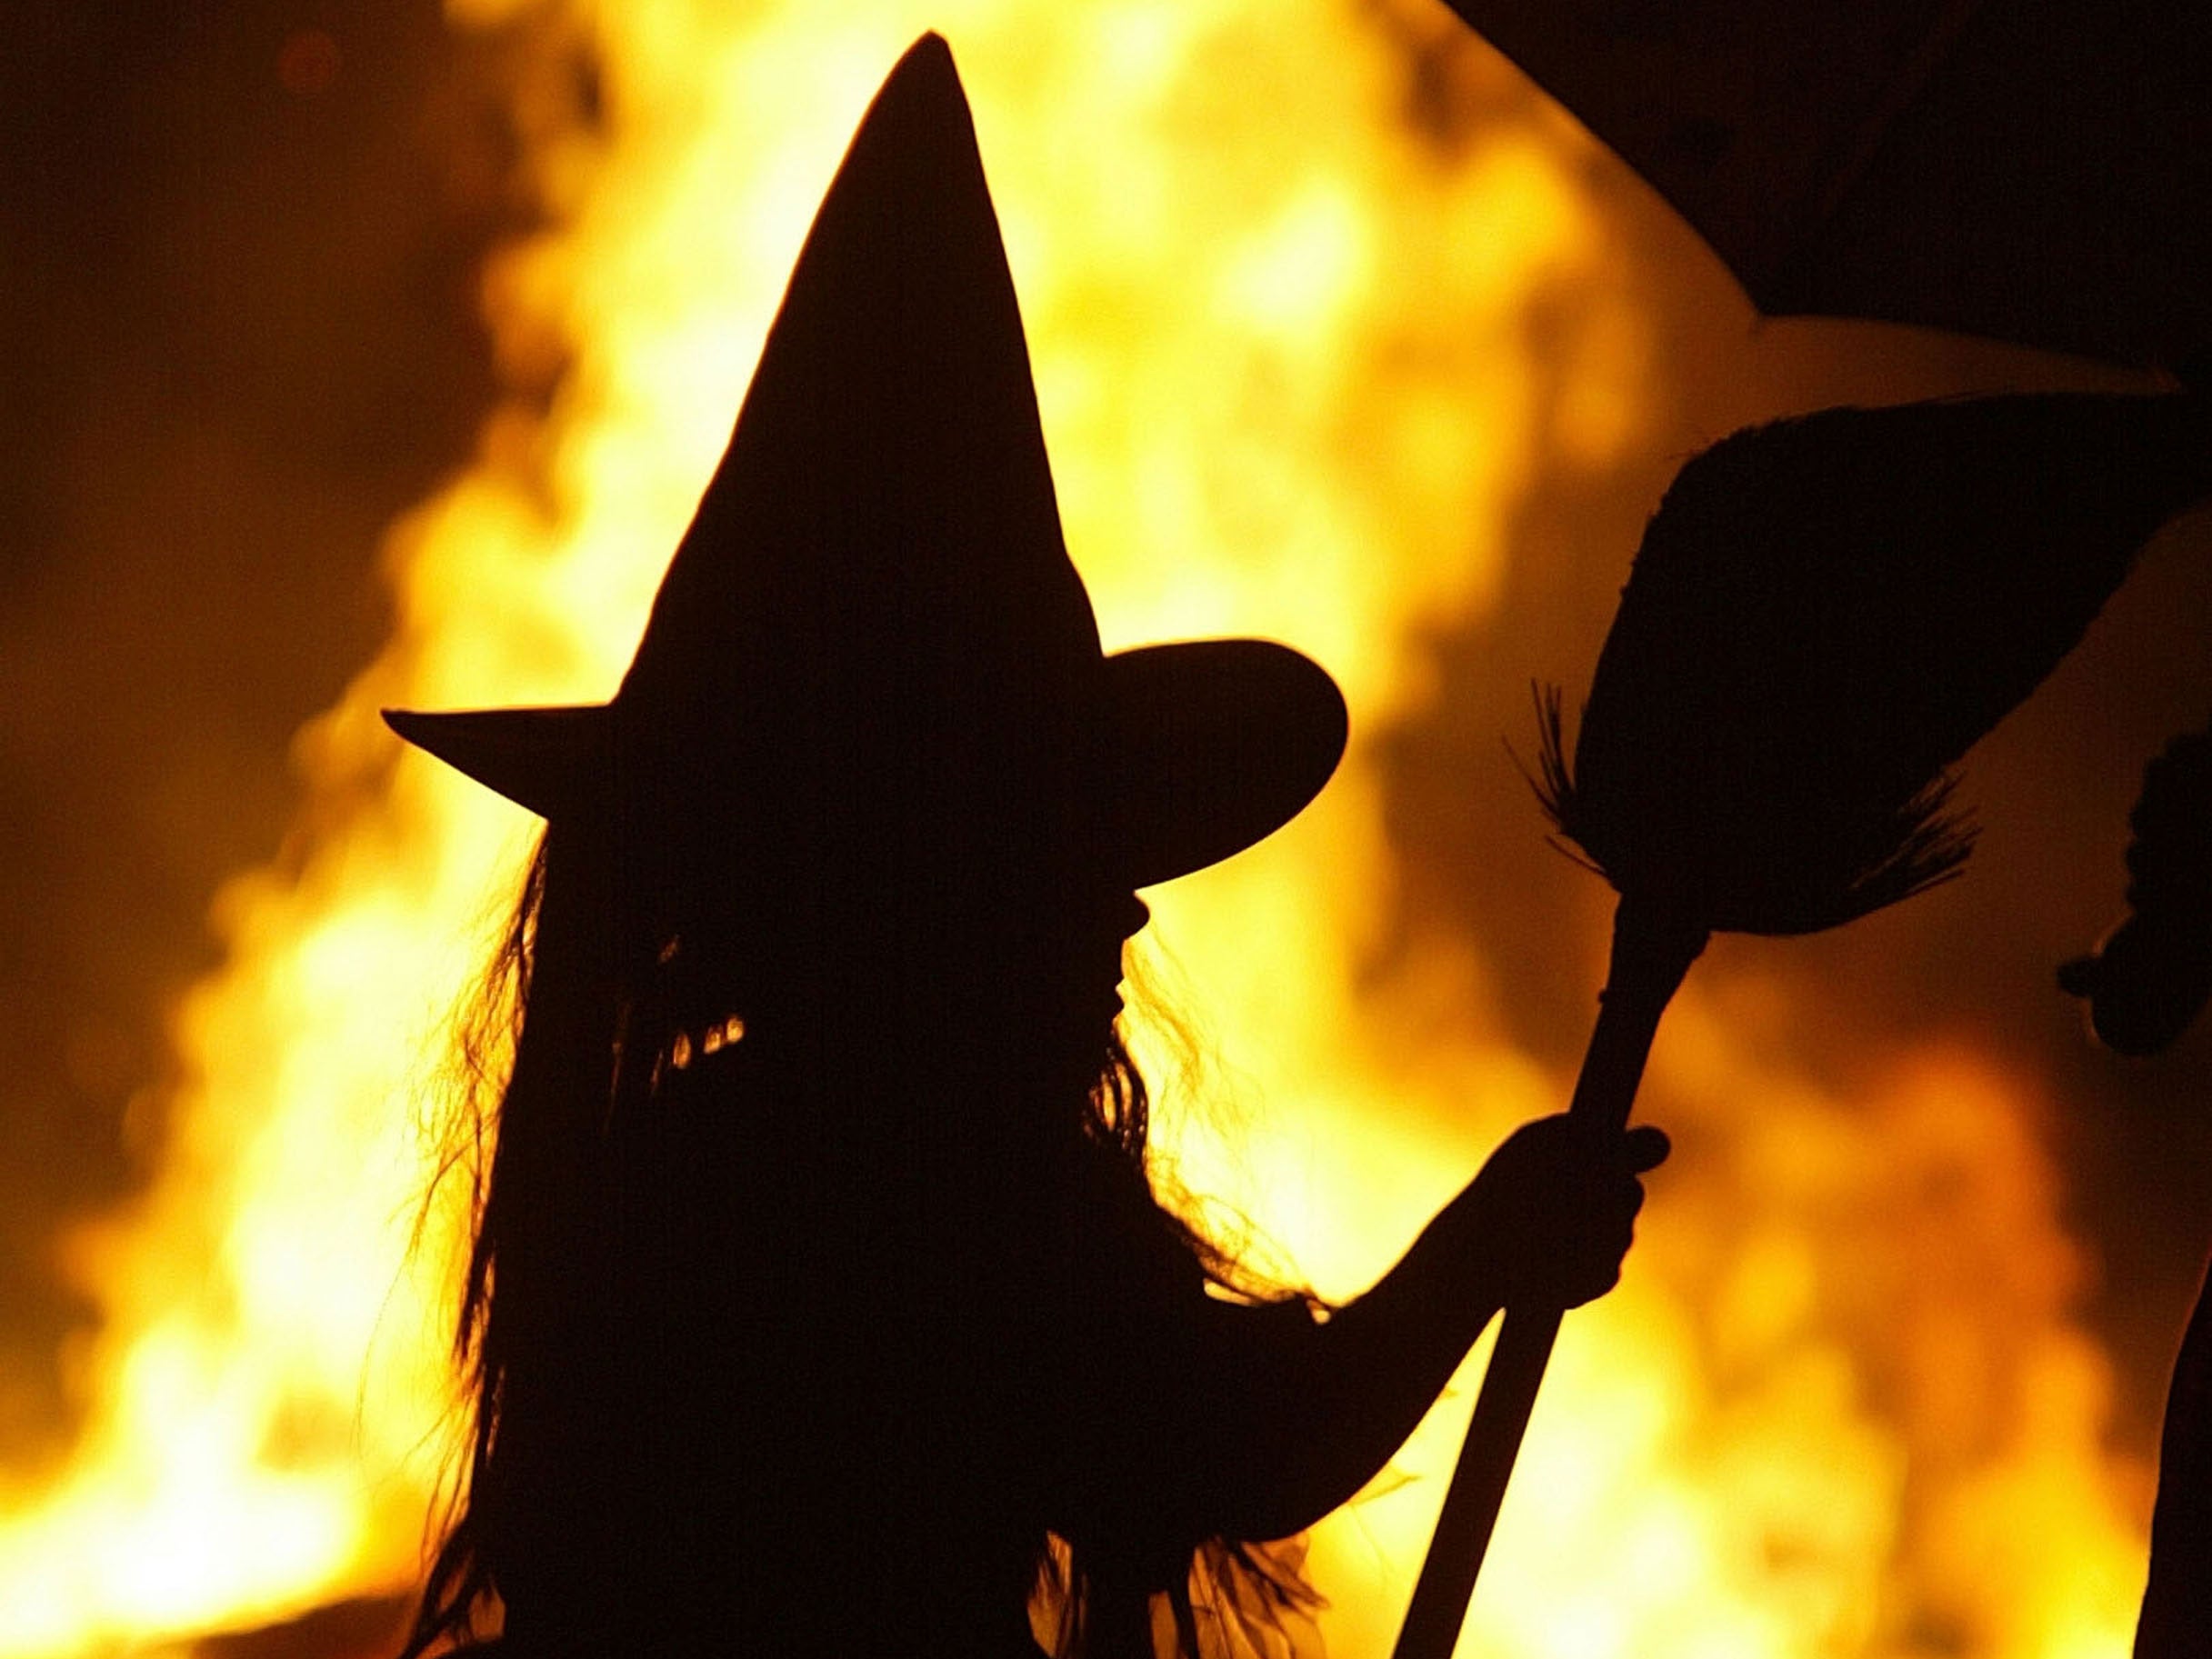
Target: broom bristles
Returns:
[[1825, 614], [1920, 845]]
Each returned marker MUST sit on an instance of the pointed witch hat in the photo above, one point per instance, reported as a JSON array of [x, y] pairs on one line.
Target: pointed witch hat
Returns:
[[871, 638]]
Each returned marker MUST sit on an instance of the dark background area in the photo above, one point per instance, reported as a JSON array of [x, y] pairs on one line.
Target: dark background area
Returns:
[[239, 252]]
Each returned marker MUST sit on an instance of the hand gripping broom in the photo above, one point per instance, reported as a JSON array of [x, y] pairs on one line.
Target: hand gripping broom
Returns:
[[1825, 614]]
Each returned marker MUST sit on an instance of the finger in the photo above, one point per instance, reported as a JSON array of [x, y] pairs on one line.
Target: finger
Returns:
[[1647, 1147], [1595, 1284], [1616, 1195]]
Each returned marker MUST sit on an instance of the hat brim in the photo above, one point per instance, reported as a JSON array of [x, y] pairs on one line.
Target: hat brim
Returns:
[[1214, 744], [1211, 746]]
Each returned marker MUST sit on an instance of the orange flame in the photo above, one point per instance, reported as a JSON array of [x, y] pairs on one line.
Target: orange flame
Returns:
[[1839, 1407]]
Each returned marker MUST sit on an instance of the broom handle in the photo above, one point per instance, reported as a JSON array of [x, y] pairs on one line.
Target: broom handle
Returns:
[[1648, 963]]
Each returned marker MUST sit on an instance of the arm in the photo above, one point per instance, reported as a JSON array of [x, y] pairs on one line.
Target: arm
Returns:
[[1548, 1221], [1263, 1419]]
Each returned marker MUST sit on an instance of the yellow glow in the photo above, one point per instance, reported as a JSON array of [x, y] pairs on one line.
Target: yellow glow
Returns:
[[1840, 1403]]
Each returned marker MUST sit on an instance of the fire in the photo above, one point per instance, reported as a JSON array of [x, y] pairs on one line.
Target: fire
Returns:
[[1839, 1407]]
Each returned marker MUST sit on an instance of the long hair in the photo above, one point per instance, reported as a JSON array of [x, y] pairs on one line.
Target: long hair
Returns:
[[579, 1017]]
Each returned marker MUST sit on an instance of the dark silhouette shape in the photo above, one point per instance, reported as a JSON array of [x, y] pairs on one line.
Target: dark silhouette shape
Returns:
[[1825, 613], [2152, 974], [817, 1283], [2176, 1615], [2032, 172]]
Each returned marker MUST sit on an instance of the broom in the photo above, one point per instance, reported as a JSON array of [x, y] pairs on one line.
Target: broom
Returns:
[[1825, 614]]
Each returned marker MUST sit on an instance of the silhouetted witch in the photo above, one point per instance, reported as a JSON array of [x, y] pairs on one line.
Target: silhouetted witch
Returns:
[[817, 1281]]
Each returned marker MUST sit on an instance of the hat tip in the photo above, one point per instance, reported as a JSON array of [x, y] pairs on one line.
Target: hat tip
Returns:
[[920, 104], [929, 57]]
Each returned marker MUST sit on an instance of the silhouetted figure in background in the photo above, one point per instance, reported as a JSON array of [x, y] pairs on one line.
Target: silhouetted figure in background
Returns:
[[2150, 977], [2176, 1617], [817, 1278], [2148, 980]]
